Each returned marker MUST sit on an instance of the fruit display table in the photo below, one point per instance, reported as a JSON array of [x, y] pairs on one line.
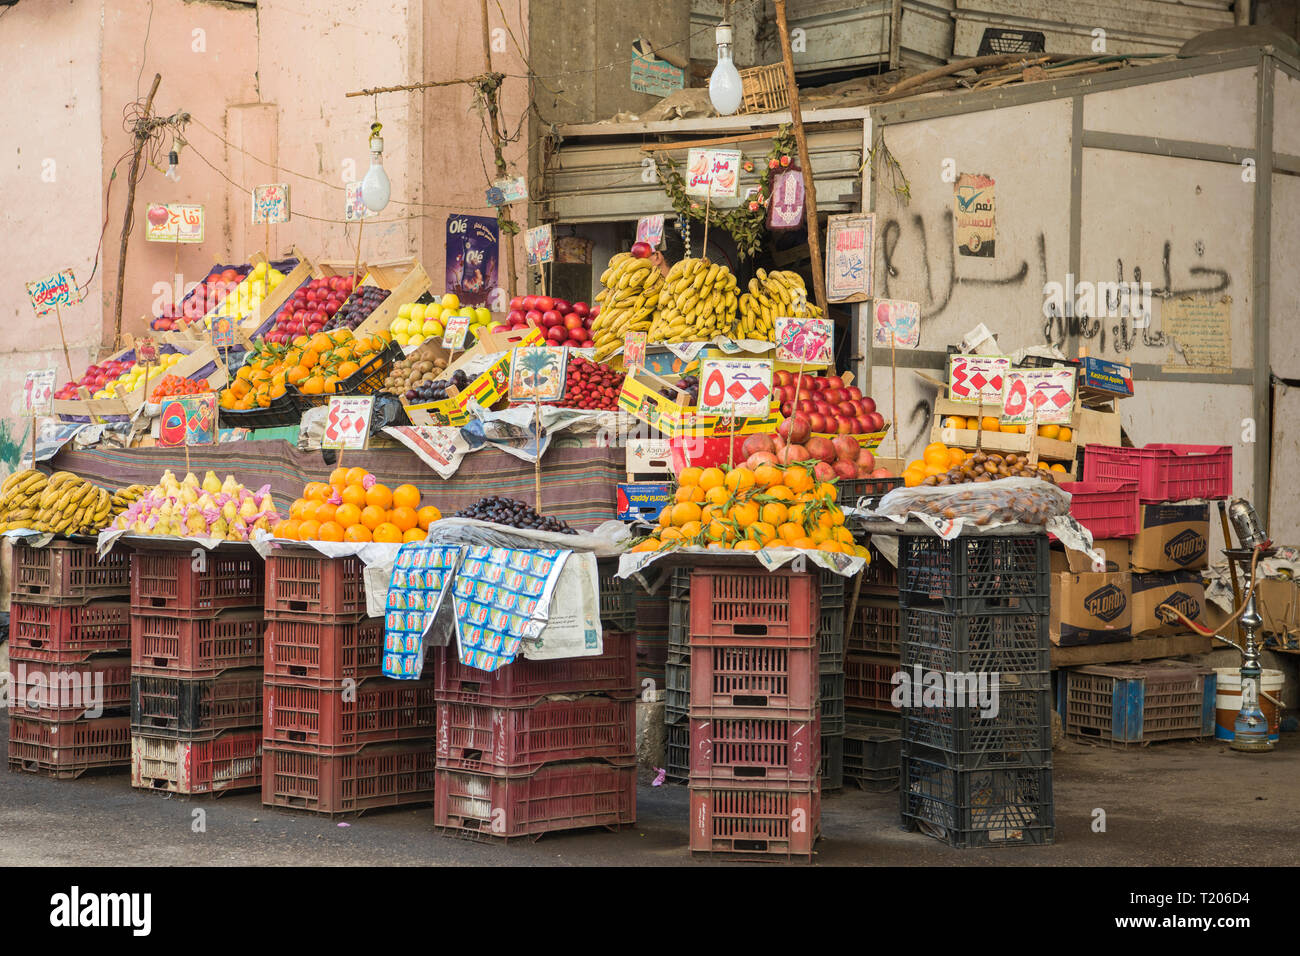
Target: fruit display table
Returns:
[[578, 484]]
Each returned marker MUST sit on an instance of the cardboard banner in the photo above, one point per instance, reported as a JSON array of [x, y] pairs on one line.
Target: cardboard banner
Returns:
[[52, 291], [188, 420], [354, 207], [540, 243], [739, 387], [271, 204], [973, 210], [650, 229], [1042, 395], [713, 173], [809, 341], [537, 373], [977, 378], [503, 192]]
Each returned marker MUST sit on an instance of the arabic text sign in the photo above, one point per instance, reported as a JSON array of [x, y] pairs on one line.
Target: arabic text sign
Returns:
[[271, 204], [37, 391], [348, 423], [974, 212], [977, 378], [174, 222], [503, 192], [899, 317], [453, 337], [650, 229], [634, 351], [354, 207], [1042, 395], [739, 387], [188, 420], [810, 341], [712, 172], [540, 243], [58, 289], [850, 252], [655, 76]]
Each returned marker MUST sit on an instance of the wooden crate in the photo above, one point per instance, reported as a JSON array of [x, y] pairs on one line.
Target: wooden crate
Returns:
[[1086, 424], [764, 89], [259, 321], [406, 281]]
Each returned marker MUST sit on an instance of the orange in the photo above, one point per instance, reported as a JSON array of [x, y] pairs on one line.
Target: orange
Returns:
[[355, 476], [317, 490], [911, 478], [954, 421], [745, 514], [717, 496], [414, 534], [843, 535], [325, 513], [690, 476], [934, 470], [685, 511], [1065, 434], [313, 386], [339, 476], [691, 529], [826, 491], [405, 518], [347, 515], [746, 545], [320, 342], [357, 534], [308, 530], [388, 533], [780, 493], [790, 532], [830, 546], [379, 496], [798, 479], [353, 495], [406, 496], [955, 456], [428, 515], [299, 508], [1060, 468], [762, 532], [666, 516], [1049, 431], [806, 544], [331, 531], [348, 368], [689, 493], [936, 454], [775, 513], [709, 512], [765, 476], [711, 478], [990, 424], [671, 534], [287, 529], [649, 544], [738, 479], [372, 517]]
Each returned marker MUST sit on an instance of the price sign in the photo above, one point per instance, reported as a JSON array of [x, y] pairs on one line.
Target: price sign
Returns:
[[540, 243], [899, 317], [1044, 395], [348, 423], [740, 387], [808, 341], [503, 192], [650, 229], [271, 204], [354, 207], [174, 222], [850, 252], [58, 289], [453, 337], [634, 351], [188, 420], [977, 378], [537, 373], [712, 172], [37, 391], [146, 351], [223, 333]]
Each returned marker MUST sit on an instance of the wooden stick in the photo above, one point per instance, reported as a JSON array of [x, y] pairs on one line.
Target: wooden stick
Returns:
[[708, 201], [357, 266], [58, 314], [33, 438], [893, 388], [537, 446], [699, 143], [801, 139], [128, 218]]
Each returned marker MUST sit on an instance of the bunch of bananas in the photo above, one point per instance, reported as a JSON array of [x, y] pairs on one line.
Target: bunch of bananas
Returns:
[[626, 303], [59, 504], [124, 497], [697, 303], [773, 294]]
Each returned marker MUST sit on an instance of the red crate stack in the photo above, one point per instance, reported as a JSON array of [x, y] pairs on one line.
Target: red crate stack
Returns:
[[337, 736], [537, 746], [197, 642], [69, 660], [755, 715]]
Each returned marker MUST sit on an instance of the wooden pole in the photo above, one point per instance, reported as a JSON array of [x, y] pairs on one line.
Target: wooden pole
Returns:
[[708, 202], [356, 279], [128, 218], [33, 464], [893, 389], [494, 130], [58, 314], [537, 447], [809, 189]]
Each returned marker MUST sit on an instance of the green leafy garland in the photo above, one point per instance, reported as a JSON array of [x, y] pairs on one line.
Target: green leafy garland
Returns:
[[747, 222]]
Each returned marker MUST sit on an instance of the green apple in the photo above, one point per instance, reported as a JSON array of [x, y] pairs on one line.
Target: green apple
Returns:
[[404, 312]]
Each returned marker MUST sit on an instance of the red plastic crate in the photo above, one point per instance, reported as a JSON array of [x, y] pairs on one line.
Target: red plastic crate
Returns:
[[869, 685], [68, 633], [298, 715], [755, 752], [762, 824], [69, 572], [1109, 509], [223, 764], [701, 452], [1164, 472], [195, 647], [315, 585], [612, 672], [63, 692], [744, 680], [739, 602], [298, 646], [557, 797], [171, 580], [379, 775], [68, 748], [518, 740], [196, 708]]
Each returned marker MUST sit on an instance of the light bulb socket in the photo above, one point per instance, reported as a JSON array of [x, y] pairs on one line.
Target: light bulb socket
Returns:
[[722, 34], [173, 158]]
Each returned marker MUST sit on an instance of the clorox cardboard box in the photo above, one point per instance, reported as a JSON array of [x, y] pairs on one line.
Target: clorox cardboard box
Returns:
[[1091, 608], [1172, 538], [1182, 590]]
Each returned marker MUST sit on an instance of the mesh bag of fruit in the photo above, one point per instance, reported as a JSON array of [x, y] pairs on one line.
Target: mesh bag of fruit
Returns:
[[984, 503]]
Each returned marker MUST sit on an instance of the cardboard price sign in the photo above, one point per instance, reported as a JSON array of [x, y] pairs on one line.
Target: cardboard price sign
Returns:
[[503, 192], [650, 229], [977, 378], [348, 423], [271, 204], [223, 333], [1042, 395], [739, 387], [898, 317], [174, 222], [58, 289], [807, 341], [634, 344], [354, 207], [540, 243], [537, 374], [188, 420], [453, 337], [146, 351], [38, 389], [712, 172]]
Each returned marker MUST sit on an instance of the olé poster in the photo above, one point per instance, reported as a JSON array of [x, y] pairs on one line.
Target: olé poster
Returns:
[[472, 256], [973, 208]]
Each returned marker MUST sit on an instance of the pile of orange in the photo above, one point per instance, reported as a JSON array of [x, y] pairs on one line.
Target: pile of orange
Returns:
[[354, 507], [744, 509], [938, 458], [315, 364], [991, 424]]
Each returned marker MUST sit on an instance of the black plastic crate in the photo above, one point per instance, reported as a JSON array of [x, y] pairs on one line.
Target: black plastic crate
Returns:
[[677, 752], [875, 627], [871, 757], [947, 641], [873, 489], [830, 639], [975, 808], [831, 702], [677, 690], [833, 589], [175, 707], [879, 576], [679, 625], [832, 771], [974, 574], [617, 598], [1018, 735]]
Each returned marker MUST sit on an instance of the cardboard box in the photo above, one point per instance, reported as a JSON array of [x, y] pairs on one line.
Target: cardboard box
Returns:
[[1076, 562], [1278, 601], [1180, 589], [1091, 608], [1103, 375], [1172, 538], [642, 501]]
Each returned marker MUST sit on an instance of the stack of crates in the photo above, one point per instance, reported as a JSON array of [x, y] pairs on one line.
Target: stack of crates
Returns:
[[755, 721], [872, 646], [652, 640], [973, 609], [69, 657], [677, 679], [197, 639], [338, 736], [537, 746], [830, 668]]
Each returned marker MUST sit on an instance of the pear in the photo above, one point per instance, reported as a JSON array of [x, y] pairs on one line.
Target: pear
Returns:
[[188, 495], [229, 511], [190, 481], [210, 483], [248, 509], [219, 529], [230, 486], [263, 523], [195, 523]]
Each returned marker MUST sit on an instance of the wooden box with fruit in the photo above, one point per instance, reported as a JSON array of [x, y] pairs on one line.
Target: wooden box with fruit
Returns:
[[960, 425]]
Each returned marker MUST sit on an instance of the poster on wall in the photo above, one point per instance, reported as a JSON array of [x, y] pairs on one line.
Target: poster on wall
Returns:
[[899, 319], [786, 208], [173, 222], [973, 210], [850, 251], [472, 255]]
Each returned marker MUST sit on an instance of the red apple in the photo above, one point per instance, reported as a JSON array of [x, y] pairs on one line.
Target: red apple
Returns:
[[868, 404], [551, 318], [806, 405], [786, 409], [641, 250], [544, 303], [846, 408], [877, 421], [782, 377], [562, 306], [528, 303], [581, 308], [515, 315], [862, 425], [557, 334], [533, 317], [845, 426], [502, 327], [855, 393], [834, 381], [817, 422], [577, 335], [824, 408], [517, 303]]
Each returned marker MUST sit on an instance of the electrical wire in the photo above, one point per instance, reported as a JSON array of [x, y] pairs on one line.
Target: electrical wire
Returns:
[[1200, 628]]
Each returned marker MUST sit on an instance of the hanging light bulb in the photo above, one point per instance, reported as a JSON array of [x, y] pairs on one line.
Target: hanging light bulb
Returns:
[[725, 86], [375, 188], [173, 165]]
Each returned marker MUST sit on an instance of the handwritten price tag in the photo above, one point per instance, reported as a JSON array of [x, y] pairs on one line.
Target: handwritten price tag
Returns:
[[174, 222], [540, 243], [899, 317], [810, 341], [223, 333], [712, 172], [58, 289], [354, 208], [634, 351], [453, 337], [737, 387], [146, 351], [977, 378], [1044, 395], [37, 391], [348, 423], [650, 229], [188, 420], [271, 204]]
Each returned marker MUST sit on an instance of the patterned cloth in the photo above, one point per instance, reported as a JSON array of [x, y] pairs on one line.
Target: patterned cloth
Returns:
[[502, 598], [421, 573]]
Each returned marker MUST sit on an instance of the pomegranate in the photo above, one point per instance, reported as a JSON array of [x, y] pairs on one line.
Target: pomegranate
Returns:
[[761, 458], [866, 459], [757, 443], [795, 429], [845, 469], [824, 472], [791, 454], [821, 448], [846, 448]]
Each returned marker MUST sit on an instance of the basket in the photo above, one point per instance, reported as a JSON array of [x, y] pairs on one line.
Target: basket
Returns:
[[852, 489], [832, 772], [779, 607], [1109, 509], [281, 412], [945, 641], [68, 633], [366, 380], [875, 627], [869, 684], [175, 580], [764, 89], [1020, 735], [742, 680], [677, 751], [612, 672], [169, 645], [871, 758], [973, 574], [311, 584], [1135, 704], [1164, 472]]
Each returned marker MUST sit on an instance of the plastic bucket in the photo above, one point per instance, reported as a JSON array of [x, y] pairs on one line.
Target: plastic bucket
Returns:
[[1227, 701]]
